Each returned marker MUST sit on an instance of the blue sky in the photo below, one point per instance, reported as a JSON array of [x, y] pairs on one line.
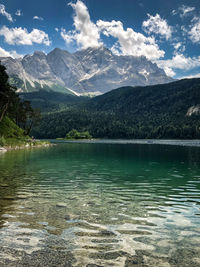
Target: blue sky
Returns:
[[166, 32]]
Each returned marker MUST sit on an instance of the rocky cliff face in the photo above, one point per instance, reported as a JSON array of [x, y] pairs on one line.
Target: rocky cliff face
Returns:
[[193, 110], [89, 71]]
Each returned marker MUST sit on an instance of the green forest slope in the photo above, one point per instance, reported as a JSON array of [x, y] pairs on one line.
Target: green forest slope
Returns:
[[159, 111]]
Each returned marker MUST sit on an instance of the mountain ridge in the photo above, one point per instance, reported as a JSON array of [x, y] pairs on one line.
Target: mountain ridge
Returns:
[[89, 71]]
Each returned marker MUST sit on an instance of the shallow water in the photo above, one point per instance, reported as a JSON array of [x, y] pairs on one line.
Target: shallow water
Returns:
[[90, 204]]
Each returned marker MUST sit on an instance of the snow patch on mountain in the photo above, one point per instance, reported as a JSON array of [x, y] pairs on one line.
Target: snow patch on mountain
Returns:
[[145, 73]]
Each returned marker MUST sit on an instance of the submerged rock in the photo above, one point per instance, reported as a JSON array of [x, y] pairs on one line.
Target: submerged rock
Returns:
[[61, 205], [67, 217], [4, 185]]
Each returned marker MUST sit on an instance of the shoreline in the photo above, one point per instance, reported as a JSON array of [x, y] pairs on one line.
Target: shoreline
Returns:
[[35, 144]]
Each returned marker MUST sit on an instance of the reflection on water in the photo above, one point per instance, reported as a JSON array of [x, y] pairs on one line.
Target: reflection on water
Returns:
[[100, 205]]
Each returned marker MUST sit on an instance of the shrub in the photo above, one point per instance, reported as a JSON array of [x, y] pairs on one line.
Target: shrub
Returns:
[[74, 134]]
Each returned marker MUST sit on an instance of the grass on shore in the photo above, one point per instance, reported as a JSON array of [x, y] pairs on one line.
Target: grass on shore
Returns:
[[17, 143], [12, 136]]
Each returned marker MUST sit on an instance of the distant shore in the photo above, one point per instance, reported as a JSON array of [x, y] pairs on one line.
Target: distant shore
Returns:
[[175, 142]]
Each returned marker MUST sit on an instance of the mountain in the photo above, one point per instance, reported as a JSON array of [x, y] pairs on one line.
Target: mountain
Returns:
[[160, 111], [91, 71]]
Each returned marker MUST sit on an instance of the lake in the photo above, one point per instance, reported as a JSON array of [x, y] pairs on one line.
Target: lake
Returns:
[[109, 203]]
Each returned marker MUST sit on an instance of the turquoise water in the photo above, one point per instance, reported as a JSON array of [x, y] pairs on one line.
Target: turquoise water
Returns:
[[90, 204]]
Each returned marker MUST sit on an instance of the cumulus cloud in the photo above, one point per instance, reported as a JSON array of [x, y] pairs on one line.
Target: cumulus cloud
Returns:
[[18, 13], [178, 61], [38, 18], [13, 54], [4, 13], [130, 42], [194, 33], [157, 25], [86, 33], [20, 36], [69, 36]]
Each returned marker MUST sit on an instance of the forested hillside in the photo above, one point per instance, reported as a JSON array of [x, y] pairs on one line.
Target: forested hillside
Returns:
[[160, 111]]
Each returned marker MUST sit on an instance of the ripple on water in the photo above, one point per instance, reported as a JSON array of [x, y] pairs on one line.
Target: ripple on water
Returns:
[[125, 207]]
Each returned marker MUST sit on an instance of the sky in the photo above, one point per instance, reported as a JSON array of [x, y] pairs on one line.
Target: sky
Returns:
[[165, 32]]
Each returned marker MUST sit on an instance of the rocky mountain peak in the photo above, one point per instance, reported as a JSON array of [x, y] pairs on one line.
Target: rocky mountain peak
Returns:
[[39, 54], [92, 70]]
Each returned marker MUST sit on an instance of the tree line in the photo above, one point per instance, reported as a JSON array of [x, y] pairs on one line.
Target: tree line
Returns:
[[112, 125]]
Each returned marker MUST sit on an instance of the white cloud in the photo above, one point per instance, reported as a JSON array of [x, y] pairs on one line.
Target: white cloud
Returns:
[[190, 76], [178, 61], [194, 33], [174, 12], [130, 42], [155, 24], [69, 36], [4, 13], [179, 47], [38, 18], [116, 49], [20, 36], [18, 13], [86, 33], [185, 10], [13, 54], [169, 72]]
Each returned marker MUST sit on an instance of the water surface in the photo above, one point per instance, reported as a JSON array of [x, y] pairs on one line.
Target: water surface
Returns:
[[90, 204]]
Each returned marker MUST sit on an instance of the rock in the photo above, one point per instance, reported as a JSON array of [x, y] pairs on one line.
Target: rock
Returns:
[[91, 203], [9, 198], [2, 149], [61, 205], [67, 217], [4, 185], [194, 110]]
